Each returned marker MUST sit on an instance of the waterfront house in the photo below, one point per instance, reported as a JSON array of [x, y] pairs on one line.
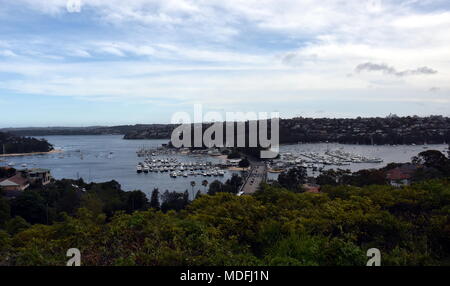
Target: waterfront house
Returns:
[[12, 185], [233, 162], [401, 176], [38, 176]]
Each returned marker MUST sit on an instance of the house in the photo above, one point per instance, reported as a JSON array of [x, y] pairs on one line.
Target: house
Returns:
[[15, 183], [233, 162], [311, 188], [38, 176], [401, 176]]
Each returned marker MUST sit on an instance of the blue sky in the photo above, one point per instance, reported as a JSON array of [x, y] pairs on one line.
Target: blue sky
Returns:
[[107, 62]]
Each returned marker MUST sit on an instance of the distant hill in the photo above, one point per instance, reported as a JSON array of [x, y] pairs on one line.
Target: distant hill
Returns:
[[12, 144], [374, 130], [392, 130], [150, 130]]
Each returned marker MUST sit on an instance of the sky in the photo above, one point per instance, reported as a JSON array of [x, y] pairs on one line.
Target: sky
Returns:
[[109, 62]]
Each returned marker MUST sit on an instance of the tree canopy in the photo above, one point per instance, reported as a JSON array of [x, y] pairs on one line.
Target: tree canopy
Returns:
[[275, 226]]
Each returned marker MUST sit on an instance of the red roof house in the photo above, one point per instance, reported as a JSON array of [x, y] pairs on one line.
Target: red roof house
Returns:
[[402, 175], [14, 183]]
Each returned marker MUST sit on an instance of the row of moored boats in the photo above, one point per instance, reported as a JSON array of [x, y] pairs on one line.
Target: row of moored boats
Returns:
[[178, 169]]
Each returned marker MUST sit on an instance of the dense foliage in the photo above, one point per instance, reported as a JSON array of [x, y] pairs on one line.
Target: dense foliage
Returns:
[[231, 185], [410, 225], [11, 144]]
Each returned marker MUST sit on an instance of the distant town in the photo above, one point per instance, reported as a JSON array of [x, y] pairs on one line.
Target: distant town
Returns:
[[393, 130]]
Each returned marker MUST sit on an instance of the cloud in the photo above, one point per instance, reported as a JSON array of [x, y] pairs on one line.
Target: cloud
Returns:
[[228, 51], [7, 53], [423, 21], [80, 53], [393, 71]]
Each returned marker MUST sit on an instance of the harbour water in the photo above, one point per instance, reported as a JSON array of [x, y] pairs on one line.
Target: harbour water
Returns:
[[388, 153], [101, 158]]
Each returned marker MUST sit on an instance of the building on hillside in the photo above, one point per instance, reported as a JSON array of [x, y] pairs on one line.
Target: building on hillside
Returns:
[[38, 176], [311, 188], [12, 185], [401, 176], [233, 162]]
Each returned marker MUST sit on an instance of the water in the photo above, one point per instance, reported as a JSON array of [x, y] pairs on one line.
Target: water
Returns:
[[389, 154], [90, 158]]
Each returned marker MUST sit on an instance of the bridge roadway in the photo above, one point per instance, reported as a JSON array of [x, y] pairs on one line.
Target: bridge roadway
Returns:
[[258, 174]]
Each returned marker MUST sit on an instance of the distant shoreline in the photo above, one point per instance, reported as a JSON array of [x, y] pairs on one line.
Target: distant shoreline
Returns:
[[31, 153]]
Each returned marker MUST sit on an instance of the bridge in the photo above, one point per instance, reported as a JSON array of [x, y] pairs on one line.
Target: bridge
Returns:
[[257, 175]]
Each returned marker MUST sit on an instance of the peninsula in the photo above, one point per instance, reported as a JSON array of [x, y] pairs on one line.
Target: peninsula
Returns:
[[12, 145]]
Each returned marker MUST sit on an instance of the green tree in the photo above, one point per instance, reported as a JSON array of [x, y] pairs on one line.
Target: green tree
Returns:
[[234, 154], [92, 202], [136, 200], [433, 159], [233, 184], [174, 201], [244, 163], [293, 179], [30, 206], [5, 210], [154, 200], [16, 225], [215, 187], [205, 184]]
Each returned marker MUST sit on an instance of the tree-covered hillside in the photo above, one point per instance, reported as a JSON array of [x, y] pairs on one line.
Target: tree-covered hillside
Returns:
[[11, 144], [410, 226]]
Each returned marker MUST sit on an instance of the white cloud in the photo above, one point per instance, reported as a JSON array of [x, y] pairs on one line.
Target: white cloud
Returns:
[[80, 53], [423, 21], [7, 53], [219, 51]]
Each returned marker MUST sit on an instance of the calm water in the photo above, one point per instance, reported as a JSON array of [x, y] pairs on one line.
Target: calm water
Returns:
[[389, 154], [98, 164], [89, 157]]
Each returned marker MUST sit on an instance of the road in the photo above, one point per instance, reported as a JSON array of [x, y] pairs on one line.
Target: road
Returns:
[[258, 174]]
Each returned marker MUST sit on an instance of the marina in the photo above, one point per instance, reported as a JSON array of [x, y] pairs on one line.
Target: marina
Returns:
[[100, 158], [317, 157], [179, 169], [315, 160]]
